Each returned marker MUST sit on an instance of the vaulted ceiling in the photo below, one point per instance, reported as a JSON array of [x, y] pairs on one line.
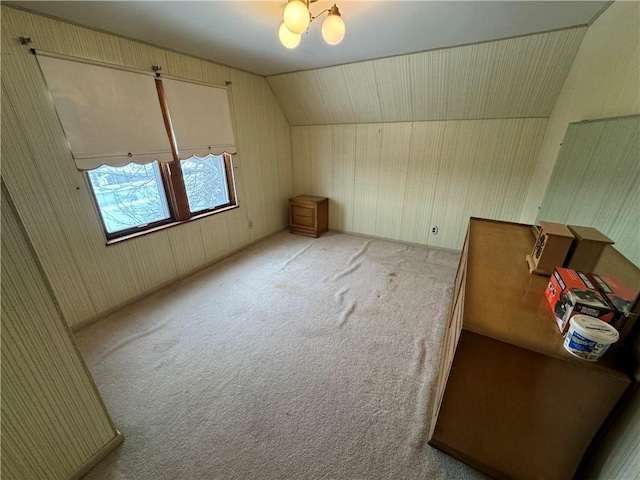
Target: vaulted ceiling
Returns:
[[243, 34], [512, 78]]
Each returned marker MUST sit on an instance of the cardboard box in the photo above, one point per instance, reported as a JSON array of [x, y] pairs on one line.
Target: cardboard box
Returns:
[[587, 248], [551, 247], [570, 292], [618, 296]]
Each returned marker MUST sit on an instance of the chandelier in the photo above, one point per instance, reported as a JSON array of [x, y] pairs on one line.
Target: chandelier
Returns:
[[297, 18]]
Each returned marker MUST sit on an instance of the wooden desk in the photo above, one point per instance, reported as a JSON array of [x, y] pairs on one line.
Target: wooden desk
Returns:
[[510, 400]]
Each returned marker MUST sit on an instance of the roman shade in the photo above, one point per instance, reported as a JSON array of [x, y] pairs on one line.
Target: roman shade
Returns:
[[200, 117], [110, 116]]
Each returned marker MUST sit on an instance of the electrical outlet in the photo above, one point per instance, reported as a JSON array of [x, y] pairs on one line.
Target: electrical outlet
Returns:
[[434, 229], [250, 224]]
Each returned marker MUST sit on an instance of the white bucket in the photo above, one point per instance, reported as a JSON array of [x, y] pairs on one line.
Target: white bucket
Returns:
[[588, 337]]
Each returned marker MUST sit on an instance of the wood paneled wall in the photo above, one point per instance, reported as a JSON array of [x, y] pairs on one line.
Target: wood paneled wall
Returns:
[[517, 77], [52, 197], [617, 457], [396, 180], [478, 112], [604, 81], [53, 419], [596, 181]]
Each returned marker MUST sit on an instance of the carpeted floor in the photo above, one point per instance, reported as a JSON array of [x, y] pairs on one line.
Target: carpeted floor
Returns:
[[298, 358]]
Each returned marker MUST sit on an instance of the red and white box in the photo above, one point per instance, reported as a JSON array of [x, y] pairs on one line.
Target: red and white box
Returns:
[[570, 293]]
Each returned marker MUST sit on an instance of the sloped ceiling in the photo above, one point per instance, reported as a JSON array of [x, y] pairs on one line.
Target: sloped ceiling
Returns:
[[243, 34], [475, 60], [514, 78]]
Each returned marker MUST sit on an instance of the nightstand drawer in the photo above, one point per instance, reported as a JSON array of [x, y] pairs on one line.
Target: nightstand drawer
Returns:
[[303, 211], [302, 220]]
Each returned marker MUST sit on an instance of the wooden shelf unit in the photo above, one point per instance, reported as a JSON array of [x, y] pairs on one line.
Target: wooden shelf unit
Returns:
[[551, 247], [510, 401]]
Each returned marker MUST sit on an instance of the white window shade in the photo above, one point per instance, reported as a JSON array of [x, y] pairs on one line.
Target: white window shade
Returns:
[[110, 116], [200, 117]]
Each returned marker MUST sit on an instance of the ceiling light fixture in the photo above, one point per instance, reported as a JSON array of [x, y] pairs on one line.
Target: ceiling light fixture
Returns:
[[297, 18]]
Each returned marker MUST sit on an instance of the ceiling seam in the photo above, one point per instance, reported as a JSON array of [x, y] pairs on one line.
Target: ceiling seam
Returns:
[[422, 121]]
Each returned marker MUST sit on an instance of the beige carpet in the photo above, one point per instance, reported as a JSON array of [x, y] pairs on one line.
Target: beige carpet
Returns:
[[298, 358]]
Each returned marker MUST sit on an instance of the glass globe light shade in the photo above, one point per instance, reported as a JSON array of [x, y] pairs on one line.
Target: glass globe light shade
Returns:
[[288, 39], [333, 27], [296, 16]]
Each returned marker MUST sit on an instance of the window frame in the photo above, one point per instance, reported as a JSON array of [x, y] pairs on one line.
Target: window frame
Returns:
[[127, 232], [231, 192], [174, 188], [172, 221]]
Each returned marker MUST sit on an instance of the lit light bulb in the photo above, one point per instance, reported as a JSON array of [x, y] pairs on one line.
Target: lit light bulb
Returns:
[[296, 16], [288, 39], [333, 27]]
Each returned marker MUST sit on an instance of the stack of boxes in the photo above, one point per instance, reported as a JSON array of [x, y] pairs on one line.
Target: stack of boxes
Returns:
[[570, 292], [573, 290], [619, 297]]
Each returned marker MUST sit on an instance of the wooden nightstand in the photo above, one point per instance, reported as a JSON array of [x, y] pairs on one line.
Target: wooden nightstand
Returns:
[[308, 215]]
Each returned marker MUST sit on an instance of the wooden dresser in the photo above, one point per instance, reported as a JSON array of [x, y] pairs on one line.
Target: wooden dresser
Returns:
[[308, 215], [510, 401]]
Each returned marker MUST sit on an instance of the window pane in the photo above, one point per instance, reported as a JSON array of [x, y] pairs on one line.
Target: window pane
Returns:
[[205, 180], [129, 196]]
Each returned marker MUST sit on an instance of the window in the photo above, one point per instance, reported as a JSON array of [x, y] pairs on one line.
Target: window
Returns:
[[129, 197], [156, 151], [205, 180], [133, 198]]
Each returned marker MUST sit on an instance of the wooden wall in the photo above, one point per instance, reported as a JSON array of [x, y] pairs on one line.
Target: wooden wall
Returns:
[[603, 82], [395, 180], [513, 78], [53, 419], [426, 139], [618, 453], [596, 181], [53, 199]]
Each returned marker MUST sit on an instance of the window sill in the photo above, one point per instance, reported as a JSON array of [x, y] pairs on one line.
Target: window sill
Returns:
[[164, 226]]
